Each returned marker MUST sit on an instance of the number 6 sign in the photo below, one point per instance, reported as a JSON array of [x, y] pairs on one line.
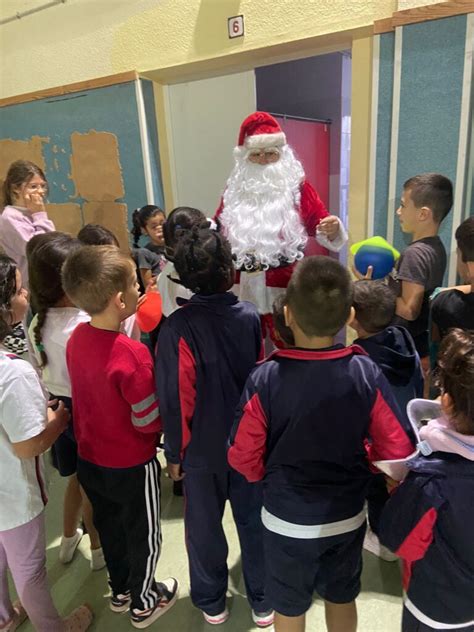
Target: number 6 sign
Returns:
[[235, 26]]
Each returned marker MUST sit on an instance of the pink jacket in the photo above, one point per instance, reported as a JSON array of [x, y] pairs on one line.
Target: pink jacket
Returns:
[[17, 227]]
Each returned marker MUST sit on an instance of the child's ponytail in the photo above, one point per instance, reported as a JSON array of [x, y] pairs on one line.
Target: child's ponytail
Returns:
[[137, 227]]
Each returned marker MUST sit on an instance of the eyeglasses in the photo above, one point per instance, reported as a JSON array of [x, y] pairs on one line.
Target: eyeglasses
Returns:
[[264, 156]]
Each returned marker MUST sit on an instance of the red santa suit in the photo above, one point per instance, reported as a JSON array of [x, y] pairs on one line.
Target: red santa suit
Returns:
[[261, 284]]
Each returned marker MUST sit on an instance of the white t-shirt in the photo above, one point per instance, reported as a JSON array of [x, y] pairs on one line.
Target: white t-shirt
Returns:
[[23, 406], [171, 291], [59, 325]]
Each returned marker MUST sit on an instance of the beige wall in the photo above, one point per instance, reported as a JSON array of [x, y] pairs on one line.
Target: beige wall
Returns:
[[83, 39]]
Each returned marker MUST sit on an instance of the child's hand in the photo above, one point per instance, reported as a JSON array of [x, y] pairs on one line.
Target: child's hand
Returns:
[[175, 471], [34, 202], [61, 415], [363, 277]]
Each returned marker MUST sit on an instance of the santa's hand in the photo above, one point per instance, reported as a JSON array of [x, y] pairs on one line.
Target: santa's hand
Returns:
[[329, 226]]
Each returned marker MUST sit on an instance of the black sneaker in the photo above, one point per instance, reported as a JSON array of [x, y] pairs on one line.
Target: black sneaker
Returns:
[[169, 594], [120, 602]]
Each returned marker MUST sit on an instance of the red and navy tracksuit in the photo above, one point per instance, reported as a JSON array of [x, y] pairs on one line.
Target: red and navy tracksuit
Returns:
[[205, 353], [309, 423], [429, 523]]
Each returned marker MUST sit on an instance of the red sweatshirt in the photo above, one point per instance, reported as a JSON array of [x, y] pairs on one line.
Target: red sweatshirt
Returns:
[[115, 410]]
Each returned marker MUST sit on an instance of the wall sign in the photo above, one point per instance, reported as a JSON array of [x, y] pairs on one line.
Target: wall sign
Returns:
[[235, 26]]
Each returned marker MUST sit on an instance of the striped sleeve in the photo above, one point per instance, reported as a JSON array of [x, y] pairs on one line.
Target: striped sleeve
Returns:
[[139, 391]]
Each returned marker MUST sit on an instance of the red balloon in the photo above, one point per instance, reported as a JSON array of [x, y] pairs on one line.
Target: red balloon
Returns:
[[150, 312]]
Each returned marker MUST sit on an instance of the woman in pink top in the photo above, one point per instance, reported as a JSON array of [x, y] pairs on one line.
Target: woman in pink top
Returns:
[[25, 189]]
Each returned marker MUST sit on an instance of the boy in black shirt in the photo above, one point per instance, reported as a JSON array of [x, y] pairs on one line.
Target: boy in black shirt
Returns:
[[425, 202]]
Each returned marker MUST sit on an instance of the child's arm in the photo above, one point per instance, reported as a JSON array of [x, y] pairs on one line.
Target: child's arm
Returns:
[[409, 517], [24, 409], [248, 437], [389, 438], [138, 388], [176, 385], [57, 423], [410, 301]]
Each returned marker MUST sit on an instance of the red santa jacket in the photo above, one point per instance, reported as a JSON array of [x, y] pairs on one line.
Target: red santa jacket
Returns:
[[311, 211]]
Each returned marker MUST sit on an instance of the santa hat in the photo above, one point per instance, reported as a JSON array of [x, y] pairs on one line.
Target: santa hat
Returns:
[[261, 130]]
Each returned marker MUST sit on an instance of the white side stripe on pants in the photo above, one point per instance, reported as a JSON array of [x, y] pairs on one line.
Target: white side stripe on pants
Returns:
[[152, 499]]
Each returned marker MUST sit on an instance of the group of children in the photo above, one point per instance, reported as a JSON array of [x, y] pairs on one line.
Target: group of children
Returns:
[[290, 441]]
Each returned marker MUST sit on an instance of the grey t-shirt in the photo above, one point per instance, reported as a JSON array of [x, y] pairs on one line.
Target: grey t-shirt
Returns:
[[423, 263], [148, 260]]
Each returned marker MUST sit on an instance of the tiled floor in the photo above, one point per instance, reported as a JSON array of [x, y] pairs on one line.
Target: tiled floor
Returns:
[[379, 603]]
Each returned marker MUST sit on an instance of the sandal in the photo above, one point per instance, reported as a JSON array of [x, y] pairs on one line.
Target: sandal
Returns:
[[79, 620], [19, 616]]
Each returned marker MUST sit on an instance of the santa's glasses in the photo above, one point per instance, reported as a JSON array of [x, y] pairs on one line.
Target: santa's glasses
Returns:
[[264, 156]]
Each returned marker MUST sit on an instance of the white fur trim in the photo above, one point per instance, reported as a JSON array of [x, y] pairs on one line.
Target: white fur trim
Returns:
[[260, 141]]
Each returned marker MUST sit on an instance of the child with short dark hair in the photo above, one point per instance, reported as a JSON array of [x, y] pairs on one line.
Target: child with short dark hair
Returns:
[[205, 353], [117, 426], [302, 427], [425, 202], [429, 519], [393, 349]]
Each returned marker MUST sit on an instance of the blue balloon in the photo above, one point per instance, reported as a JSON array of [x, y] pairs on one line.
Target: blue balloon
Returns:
[[381, 259]]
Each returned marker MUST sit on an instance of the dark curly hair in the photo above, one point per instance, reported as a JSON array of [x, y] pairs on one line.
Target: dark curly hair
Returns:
[[140, 216], [455, 376], [7, 291], [203, 261], [180, 221], [46, 254]]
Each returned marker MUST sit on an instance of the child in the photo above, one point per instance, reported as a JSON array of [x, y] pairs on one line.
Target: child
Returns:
[[179, 222], [24, 192], [454, 307], [149, 220], [205, 352], [393, 349], [425, 202], [55, 319], [117, 426], [27, 429], [429, 520], [302, 426]]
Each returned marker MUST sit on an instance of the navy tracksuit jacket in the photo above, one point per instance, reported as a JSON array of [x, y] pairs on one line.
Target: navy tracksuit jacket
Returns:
[[429, 523], [205, 353]]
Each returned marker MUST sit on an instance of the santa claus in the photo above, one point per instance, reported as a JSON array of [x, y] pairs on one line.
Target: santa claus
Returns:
[[268, 212]]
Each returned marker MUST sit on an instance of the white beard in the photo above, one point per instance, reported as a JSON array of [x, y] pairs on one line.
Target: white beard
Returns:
[[260, 217]]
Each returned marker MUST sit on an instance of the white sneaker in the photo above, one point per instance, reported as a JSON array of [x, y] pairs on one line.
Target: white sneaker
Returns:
[[372, 544], [68, 546], [216, 619], [263, 619], [97, 559]]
